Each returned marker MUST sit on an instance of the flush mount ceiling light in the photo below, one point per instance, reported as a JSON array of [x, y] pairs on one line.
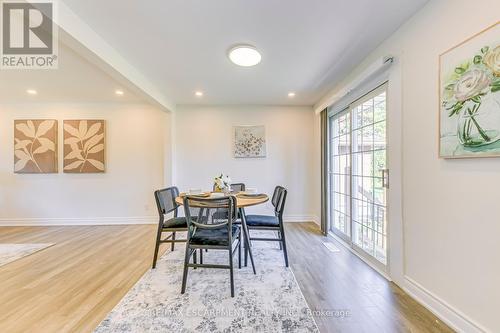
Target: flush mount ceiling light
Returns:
[[291, 94], [119, 92], [244, 55], [31, 91], [199, 93]]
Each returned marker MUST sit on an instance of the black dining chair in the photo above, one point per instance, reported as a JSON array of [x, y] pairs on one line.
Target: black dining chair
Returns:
[[213, 234], [235, 188], [272, 223], [165, 202]]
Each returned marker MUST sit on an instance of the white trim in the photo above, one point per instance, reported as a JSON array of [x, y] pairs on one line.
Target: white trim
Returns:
[[454, 318], [61, 221], [373, 70], [360, 256], [301, 218]]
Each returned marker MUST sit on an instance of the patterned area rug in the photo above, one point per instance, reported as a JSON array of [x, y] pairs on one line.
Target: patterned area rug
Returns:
[[270, 301], [12, 252]]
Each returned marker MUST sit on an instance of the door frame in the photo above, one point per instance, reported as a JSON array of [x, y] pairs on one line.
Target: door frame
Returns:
[[396, 267]]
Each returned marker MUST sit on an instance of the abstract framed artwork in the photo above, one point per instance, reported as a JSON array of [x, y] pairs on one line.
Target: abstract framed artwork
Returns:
[[469, 91], [35, 146], [84, 146], [249, 141]]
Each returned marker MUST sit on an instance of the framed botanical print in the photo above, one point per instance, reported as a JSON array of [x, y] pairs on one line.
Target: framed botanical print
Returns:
[[469, 90], [35, 146], [84, 146], [249, 141]]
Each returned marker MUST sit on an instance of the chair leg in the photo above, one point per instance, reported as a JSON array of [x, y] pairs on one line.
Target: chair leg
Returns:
[[157, 246], [245, 249], [201, 256], [195, 261], [173, 238], [248, 242], [283, 241], [239, 251], [231, 277], [280, 243], [185, 273]]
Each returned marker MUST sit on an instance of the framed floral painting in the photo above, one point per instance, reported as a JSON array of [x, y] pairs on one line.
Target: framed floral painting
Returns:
[[469, 84], [35, 146], [84, 146], [249, 141]]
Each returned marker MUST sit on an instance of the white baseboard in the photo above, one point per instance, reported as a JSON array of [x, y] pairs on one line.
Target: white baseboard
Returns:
[[8, 222], [300, 218], [113, 220], [448, 314]]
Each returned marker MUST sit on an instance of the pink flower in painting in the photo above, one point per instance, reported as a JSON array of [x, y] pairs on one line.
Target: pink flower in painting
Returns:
[[471, 84]]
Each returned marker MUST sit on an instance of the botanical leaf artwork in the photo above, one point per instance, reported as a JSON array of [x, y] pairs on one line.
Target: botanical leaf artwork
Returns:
[[249, 141], [35, 146], [470, 98], [84, 149]]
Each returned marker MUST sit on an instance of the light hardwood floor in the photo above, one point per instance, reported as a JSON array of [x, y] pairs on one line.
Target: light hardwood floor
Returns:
[[342, 281], [71, 286]]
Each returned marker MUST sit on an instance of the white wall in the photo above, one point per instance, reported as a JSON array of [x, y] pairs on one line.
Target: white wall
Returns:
[[137, 149], [451, 213], [204, 148]]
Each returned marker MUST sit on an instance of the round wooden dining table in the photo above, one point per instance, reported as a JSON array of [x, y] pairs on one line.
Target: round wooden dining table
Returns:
[[242, 201]]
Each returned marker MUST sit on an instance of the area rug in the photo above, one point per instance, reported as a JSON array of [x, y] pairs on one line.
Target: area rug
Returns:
[[270, 301], [13, 252]]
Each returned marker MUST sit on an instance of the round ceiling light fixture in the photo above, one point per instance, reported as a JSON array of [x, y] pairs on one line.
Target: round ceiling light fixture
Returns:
[[244, 55]]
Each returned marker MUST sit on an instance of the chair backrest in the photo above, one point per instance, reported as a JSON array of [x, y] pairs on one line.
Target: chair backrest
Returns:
[[236, 187], [203, 212], [278, 200], [276, 196], [165, 200]]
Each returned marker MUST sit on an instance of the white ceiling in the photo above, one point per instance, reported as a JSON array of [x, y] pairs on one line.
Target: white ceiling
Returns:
[[75, 81], [307, 45]]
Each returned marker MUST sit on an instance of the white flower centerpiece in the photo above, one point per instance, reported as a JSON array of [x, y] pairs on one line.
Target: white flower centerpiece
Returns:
[[471, 94], [222, 183]]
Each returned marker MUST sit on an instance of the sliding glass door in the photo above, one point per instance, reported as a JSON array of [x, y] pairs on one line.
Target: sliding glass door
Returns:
[[359, 176]]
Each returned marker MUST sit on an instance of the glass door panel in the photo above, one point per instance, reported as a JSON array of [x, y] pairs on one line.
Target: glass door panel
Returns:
[[358, 165], [340, 183]]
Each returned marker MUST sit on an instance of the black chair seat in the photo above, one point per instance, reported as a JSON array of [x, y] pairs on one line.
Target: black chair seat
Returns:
[[216, 236], [175, 222], [262, 221]]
